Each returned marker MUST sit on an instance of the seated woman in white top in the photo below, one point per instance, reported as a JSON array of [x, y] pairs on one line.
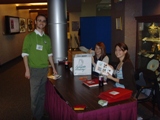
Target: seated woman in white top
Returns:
[[100, 54]]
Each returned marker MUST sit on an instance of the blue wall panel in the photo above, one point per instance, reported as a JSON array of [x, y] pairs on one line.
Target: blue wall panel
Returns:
[[96, 29]]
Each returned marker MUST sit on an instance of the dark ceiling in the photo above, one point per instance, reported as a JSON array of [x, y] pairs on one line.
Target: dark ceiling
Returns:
[[72, 5]]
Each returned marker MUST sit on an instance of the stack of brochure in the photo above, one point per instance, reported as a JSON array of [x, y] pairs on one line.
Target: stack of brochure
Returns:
[[55, 77]]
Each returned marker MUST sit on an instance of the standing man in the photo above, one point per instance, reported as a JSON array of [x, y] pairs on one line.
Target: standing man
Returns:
[[37, 53]]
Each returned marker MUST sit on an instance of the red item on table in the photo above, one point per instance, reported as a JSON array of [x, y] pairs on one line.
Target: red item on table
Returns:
[[115, 95], [79, 107]]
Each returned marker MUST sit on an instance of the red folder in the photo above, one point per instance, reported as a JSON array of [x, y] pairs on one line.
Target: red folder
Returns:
[[115, 95]]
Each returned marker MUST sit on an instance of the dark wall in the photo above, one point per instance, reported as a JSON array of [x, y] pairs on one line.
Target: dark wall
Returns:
[[117, 10], [151, 7], [127, 10]]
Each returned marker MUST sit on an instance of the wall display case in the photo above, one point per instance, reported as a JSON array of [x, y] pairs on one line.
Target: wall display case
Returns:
[[148, 42]]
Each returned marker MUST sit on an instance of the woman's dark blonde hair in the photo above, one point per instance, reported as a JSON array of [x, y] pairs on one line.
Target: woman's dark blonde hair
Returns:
[[123, 47], [102, 47]]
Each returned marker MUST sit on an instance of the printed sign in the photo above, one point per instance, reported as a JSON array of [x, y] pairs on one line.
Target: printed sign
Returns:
[[82, 64]]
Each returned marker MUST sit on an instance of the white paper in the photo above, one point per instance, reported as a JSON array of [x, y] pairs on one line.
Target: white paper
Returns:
[[103, 68], [114, 92]]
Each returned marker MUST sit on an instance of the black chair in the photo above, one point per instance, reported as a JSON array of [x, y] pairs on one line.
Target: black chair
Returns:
[[147, 87]]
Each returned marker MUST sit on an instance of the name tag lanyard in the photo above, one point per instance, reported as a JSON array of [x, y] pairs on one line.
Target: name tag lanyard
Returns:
[[40, 46]]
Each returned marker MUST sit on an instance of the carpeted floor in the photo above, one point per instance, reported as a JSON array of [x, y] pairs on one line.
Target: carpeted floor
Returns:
[[146, 114], [14, 92], [15, 96]]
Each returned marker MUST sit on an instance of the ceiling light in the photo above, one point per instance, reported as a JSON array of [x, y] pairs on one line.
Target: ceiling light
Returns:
[[44, 3]]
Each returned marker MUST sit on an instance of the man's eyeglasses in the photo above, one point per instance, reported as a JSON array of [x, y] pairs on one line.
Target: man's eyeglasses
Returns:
[[44, 21]]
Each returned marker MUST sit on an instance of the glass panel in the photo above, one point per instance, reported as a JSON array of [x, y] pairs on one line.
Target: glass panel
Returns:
[[148, 43]]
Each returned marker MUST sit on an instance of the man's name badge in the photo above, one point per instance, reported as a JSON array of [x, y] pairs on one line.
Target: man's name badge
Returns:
[[39, 47]]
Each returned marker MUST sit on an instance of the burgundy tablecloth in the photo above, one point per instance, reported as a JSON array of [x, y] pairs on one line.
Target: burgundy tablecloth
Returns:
[[58, 109], [126, 111]]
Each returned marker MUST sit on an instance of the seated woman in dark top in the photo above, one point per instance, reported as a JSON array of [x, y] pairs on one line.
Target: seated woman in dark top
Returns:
[[124, 72]]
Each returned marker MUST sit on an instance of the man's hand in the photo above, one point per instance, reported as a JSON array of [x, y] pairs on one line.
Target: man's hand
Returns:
[[54, 72], [27, 74]]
